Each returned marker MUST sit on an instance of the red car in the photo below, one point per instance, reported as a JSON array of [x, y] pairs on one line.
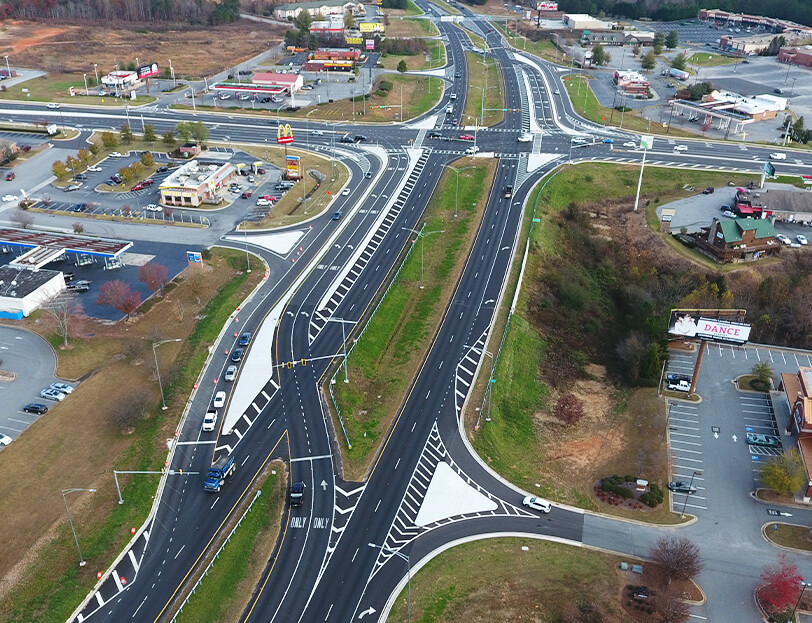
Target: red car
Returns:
[[10, 176], [139, 186], [148, 182], [261, 171], [246, 194], [467, 137]]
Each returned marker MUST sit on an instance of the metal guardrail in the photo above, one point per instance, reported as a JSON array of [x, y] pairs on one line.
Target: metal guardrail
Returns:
[[216, 556]]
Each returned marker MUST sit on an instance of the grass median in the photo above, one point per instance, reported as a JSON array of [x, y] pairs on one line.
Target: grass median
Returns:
[[484, 81], [56, 88], [79, 442], [386, 357]]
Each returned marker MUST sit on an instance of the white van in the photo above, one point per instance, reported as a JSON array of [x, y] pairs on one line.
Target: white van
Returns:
[[778, 156]]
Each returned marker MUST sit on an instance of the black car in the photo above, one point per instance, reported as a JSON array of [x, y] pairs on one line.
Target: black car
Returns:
[[237, 354], [680, 486], [245, 338], [359, 138], [368, 175], [676, 378], [708, 190], [347, 139], [68, 276], [265, 100], [297, 493], [435, 135], [80, 177], [35, 407], [162, 169], [79, 207]]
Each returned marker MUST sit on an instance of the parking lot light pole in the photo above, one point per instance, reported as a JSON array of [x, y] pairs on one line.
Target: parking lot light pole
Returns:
[[65, 492], [158, 372], [685, 503], [96, 70], [87, 92], [384, 548], [8, 69], [798, 603]]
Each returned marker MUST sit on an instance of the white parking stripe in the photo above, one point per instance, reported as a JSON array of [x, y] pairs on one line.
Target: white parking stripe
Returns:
[[673, 433], [685, 458], [681, 450], [687, 443], [689, 469]]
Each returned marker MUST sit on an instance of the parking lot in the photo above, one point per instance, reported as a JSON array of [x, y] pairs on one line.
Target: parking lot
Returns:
[[708, 439]]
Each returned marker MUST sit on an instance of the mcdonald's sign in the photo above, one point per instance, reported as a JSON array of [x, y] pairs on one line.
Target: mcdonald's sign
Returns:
[[284, 134]]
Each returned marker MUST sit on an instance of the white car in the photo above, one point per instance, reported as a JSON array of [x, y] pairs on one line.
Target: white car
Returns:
[[778, 156], [630, 144], [578, 141], [783, 239], [9, 197], [153, 207], [94, 169], [5, 440], [219, 399], [345, 192], [53, 105], [729, 214], [526, 138], [210, 420], [52, 394], [116, 154], [263, 202], [801, 239], [557, 92], [539, 504], [317, 133], [680, 148], [62, 387]]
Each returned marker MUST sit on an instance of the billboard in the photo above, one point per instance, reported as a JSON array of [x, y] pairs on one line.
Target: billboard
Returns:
[[284, 134], [689, 324], [354, 40], [546, 6], [147, 71], [293, 163], [370, 27], [370, 44]]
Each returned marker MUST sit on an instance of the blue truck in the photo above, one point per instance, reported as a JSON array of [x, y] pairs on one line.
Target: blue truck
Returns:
[[221, 469]]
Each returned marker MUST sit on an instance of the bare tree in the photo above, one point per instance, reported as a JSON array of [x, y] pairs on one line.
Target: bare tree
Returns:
[[117, 294], [78, 227], [22, 218], [196, 281], [154, 275], [672, 608], [128, 410], [678, 557], [64, 311]]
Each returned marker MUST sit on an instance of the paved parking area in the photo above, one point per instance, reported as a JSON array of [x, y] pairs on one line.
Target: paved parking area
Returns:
[[25, 138]]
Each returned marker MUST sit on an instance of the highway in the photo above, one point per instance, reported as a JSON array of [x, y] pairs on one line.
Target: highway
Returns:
[[340, 555]]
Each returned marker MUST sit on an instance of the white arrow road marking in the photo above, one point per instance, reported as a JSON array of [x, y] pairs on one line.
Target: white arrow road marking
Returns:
[[369, 610]]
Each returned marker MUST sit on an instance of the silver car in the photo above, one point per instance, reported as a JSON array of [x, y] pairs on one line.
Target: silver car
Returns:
[[539, 504], [231, 373], [52, 394]]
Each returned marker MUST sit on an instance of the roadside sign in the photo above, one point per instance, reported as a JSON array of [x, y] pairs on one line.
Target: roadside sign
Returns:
[[194, 257], [646, 142]]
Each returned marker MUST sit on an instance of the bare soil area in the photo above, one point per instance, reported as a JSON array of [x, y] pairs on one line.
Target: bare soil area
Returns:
[[75, 48]]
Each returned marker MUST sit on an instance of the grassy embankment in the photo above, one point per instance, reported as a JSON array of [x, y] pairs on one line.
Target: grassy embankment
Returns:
[[87, 444], [789, 535], [411, 27], [479, 76], [706, 59], [385, 360], [519, 441], [417, 62], [56, 88]]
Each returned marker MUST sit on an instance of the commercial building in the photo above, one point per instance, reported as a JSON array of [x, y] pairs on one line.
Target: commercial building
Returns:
[[755, 107], [796, 56], [745, 46], [797, 390], [743, 20], [317, 8], [631, 82], [121, 80], [617, 38], [286, 82], [328, 66], [793, 206], [23, 291], [582, 21], [195, 183], [738, 240], [334, 24], [336, 54]]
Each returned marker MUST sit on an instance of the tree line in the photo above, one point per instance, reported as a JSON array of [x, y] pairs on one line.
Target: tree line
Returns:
[[189, 11]]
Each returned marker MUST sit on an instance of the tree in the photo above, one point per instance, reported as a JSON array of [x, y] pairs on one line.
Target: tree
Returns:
[[184, 131], [582, 611], [678, 62], [154, 275], [128, 409], [168, 138], [109, 140], [137, 169], [149, 133], [598, 55], [659, 42], [64, 311], [74, 164], [117, 294], [94, 149], [60, 170], [649, 61], [84, 156], [607, 58], [672, 40], [126, 174], [678, 557], [782, 583], [672, 608], [764, 374], [569, 409], [147, 159], [21, 218], [402, 66], [78, 227], [303, 21], [784, 474], [126, 134], [636, 50], [349, 20], [199, 131], [775, 46]]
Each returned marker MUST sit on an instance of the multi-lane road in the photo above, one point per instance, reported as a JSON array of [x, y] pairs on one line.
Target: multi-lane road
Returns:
[[341, 555]]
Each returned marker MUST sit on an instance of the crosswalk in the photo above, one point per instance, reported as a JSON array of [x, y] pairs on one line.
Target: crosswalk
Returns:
[[320, 316]]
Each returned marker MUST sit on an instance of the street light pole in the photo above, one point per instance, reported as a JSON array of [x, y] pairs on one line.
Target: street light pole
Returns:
[[343, 342], [798, 603], [82, 561], [157, 370], [87, 92], [96, 70], [384, 548], [8, 69], [685, 503], [420, 235]]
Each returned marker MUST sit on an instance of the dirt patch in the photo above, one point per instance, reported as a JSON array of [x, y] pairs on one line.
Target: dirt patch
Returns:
[[7, 377], [195, 50]]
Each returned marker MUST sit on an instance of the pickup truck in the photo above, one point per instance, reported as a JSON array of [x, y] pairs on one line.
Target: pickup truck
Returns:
[[297, 493], [221, 469], [679, 386], [508, 191]]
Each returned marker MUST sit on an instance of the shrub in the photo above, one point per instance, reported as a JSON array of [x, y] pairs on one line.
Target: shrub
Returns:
[[385, 85]]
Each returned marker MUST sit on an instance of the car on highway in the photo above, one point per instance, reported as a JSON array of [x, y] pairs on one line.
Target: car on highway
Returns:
[[577, 140], [297, 490], [346, 139], [237, 354], [231, 373], [467, 137], [52, 394], [317, 133], [630, 144], [337, 215], [210, 420], [609, 141], [245, 338], [778, 156], [54, 105], [94, 169], [9, 197], [5, 440], [801, 239], [538, 504], [35, 407], [62, 387], [153, 207], [116, 154], [526, 138], [345, 192], [783, 239], [368, 175], [557, 92], [219, 400], [755, 439], [680, 148], [680, 486]]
